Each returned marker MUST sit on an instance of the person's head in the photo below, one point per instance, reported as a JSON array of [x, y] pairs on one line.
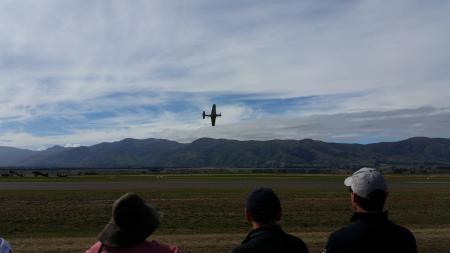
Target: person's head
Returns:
[[369, 190], [132, 222], [263, 207], [4, 246]]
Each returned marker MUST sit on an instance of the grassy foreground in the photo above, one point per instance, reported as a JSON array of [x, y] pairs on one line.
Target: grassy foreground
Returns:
[[211, 220]]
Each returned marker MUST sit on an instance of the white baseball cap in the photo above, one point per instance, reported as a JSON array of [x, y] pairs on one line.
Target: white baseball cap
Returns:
[[365, 181], [4, 246]]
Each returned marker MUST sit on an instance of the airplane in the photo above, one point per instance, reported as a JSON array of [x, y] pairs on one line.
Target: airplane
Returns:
[[14, 173], [213, 115], [38, 173]]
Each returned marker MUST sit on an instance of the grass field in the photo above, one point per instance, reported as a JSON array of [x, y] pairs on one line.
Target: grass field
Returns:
[[204, 213]]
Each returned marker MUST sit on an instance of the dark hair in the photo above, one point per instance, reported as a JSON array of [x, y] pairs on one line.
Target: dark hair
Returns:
[[265, 216], [374, 201], [264, 205]]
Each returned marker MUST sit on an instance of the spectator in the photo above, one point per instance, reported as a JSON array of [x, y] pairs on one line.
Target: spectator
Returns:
[[5, 247], [371, 230], [132, 222], [263, 211]]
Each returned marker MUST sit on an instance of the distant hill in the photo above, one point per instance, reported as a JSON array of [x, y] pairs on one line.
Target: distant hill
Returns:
[[416, 152], [12, 156]]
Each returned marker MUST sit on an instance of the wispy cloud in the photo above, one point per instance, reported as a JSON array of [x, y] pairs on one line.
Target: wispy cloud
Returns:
[[364, 127], [91, 71]]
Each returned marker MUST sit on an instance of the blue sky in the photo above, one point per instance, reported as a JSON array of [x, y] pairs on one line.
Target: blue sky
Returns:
[[83, 72]]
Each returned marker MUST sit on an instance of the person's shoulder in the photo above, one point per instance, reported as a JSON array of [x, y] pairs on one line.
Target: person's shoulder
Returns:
[[343, 232], [293, 238], [157, 247], [341, 238], [238, 249], [296, 243], [404, 239], [5, 246], [94, 248], [402, 231]]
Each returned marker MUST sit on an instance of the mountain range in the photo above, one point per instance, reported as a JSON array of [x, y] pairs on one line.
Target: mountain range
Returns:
[[417, 152]]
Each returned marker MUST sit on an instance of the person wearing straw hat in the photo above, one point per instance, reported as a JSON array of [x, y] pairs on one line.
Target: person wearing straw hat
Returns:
[[371, 231], [5, 247], [132, 222]]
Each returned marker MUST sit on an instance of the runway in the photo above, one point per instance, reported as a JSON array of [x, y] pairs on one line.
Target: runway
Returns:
[[205, 184]]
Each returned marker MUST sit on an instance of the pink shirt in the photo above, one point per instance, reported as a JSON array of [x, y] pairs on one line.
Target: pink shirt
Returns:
[[144, 247]]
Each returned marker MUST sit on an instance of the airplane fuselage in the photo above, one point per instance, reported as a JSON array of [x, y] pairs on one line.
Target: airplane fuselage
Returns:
[[213, 115]]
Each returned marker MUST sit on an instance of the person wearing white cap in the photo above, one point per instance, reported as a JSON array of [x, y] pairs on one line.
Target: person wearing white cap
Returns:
[[5, 247], [370, 230]]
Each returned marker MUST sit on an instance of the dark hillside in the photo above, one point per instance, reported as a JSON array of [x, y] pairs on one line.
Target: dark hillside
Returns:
[[416, 152]]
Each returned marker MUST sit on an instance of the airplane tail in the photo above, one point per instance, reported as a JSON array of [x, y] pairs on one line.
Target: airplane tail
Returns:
[[203, 114]]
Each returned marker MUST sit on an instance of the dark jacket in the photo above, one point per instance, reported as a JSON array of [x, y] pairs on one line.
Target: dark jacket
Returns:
[[371, 233], [271, 239]]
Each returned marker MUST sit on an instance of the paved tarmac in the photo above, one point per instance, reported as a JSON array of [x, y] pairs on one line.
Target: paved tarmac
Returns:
[[205, 184]]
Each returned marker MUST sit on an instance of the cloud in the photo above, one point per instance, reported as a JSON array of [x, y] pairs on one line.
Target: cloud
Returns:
[[361, 127], [68, 69], [72, 145]]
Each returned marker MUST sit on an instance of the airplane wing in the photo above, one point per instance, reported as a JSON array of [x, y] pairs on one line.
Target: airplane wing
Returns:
[[213, 120]]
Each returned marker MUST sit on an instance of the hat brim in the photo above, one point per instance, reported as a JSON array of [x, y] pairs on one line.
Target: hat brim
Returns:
[[109, 233], [115, 236], [348, 181]]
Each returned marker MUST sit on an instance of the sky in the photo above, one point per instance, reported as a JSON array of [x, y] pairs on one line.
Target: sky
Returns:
[[81, 72]]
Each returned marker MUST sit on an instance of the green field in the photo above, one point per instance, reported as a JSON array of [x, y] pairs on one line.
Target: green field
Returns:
[[204, 213]]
